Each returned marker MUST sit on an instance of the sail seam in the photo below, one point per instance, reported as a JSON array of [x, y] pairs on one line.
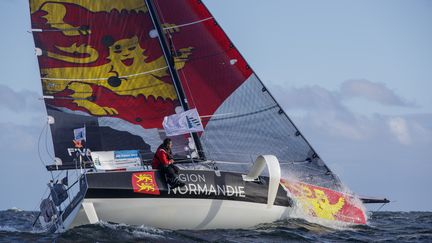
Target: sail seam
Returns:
[[98, 79]]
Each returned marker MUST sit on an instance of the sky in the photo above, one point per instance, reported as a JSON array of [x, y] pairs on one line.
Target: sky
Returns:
[[354, 76]]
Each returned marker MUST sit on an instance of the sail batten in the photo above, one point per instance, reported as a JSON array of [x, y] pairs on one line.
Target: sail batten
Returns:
[[105, 78], [187, 24]]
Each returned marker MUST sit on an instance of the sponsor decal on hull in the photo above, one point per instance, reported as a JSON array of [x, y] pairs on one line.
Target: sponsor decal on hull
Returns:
[[324, 203], [126, 154], [196, 184], [144, 182]]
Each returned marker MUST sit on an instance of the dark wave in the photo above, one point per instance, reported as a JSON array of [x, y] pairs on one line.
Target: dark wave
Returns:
[[15, 226]]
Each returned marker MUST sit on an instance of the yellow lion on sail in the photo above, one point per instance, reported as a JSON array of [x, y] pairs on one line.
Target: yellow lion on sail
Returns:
[[127, 73]]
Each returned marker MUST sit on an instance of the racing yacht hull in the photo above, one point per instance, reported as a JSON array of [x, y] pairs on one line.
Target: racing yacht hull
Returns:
[[209, 200], [179, 213]]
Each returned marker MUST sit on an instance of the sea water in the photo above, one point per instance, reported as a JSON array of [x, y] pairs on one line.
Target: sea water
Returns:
[[15, 226]]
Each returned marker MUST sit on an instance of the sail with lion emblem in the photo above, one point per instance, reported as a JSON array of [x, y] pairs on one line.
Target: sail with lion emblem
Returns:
[[117, 69]]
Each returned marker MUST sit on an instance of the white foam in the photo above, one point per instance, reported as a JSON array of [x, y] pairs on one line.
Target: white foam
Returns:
[[15, 209], [137, 231], [8, 229], [299, 212]]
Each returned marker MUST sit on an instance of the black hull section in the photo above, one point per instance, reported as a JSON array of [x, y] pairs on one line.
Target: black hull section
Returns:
[[199, 185]]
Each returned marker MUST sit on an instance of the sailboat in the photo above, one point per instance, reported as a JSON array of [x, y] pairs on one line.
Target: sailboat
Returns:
[[113, 70]]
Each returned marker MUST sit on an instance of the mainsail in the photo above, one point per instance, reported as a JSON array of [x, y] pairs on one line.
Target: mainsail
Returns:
[[103, 67]]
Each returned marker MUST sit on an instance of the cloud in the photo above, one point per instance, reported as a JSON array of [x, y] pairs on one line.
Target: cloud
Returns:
[[372, 91], [21, 165], [19, 101], [321, 110], [18, 137], [398, 127], [374, 154], [308, 97], [323, 113]]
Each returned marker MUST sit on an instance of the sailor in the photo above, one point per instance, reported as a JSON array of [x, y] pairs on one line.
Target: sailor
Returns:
[[163, 160]]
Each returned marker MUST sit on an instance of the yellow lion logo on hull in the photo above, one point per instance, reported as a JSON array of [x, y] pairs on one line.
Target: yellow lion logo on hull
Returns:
[[314, 201]]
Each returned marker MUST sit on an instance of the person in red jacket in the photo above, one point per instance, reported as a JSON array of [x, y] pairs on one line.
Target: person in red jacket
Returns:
[[163, 156], [163, 160]]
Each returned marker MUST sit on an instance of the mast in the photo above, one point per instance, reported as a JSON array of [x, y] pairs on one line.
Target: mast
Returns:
[[171, 66]]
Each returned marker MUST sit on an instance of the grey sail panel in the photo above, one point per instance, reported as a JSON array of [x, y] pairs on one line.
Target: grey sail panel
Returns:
[[250, 123]]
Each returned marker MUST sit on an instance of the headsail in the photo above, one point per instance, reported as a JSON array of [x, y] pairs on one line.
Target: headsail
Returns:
[[242, 119]]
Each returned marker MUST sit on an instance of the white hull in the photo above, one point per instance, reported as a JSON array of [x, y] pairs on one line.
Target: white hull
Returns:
[[179, 213]]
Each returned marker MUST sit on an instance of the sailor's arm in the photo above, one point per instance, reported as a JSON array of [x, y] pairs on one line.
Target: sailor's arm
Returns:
[[163, 158]]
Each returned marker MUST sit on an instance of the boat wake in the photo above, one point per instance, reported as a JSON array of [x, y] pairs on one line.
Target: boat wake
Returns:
[[15, 226], [137, 231], [115, 232]]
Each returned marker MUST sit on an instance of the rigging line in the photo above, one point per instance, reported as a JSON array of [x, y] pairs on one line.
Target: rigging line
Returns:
[[317, 170], [294, 162], [231, 163], [210, 116], [46, 145], [39, 141], [99, 79], [247, 114], [234, 113], [379, 209], [209, 55], [56, 178], [243, 154], [35, 209], [173, 46], [184, 75], [187, 24]]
